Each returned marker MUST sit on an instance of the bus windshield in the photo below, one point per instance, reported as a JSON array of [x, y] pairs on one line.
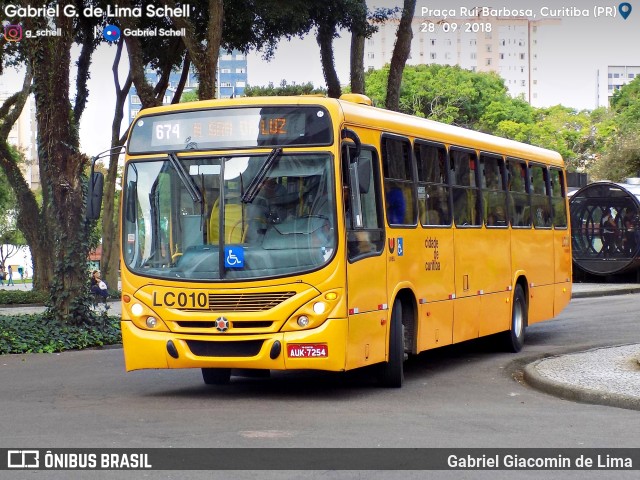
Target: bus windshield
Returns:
[[191, 217]]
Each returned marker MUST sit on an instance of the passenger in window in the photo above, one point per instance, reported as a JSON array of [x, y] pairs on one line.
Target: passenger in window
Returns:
[[497, 217], [609, 231], [396, 207], [629, 222]]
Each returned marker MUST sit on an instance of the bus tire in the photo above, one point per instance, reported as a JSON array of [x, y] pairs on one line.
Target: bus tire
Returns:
[[391, 373], [514, 338], [216, 376]]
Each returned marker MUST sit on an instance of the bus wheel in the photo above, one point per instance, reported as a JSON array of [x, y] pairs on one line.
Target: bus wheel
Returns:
[[514, 338], [391, 373], [216, 376]]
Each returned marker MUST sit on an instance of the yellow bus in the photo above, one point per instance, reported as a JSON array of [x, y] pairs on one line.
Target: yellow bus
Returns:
[[294, 233]]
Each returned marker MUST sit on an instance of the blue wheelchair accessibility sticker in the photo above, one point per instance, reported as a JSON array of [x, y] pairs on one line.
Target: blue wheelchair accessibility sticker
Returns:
[[233, 257], [400, 247]]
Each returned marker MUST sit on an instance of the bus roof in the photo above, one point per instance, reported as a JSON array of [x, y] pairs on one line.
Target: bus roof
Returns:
[[358, 114]]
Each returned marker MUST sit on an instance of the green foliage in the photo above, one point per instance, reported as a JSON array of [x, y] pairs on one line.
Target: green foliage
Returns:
[[191, 96], [621, 157], [626, 104], [284, 89], [440, 92], [34, 334], [22, 297]]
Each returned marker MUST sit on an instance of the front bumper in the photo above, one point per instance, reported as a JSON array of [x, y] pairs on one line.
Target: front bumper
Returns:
[[148, 349]]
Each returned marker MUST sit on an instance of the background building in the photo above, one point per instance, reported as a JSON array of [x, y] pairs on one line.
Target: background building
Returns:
[[616, 77], [231, 78], [507, 46]]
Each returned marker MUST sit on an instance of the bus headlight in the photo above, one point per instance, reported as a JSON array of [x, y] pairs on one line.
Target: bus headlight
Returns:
[[319, 308], [152, 322], [137, 309], [303, 321]]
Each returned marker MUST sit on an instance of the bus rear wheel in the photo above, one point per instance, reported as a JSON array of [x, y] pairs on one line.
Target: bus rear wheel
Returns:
[[391, 373], [216, 376], [513, 339]]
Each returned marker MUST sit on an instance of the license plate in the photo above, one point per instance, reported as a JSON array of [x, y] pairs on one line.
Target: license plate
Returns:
[[308, 350]]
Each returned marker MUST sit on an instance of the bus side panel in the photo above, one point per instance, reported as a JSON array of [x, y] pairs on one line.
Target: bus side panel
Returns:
[[435, 288], [495, 313], [541, 300], [436, 277], [469, 271], [366, 343], [466, 318], [367, 293], [562, 251], [435, 325], [493, 256]]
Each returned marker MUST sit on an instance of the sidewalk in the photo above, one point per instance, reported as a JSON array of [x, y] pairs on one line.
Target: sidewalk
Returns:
[[604, 376]]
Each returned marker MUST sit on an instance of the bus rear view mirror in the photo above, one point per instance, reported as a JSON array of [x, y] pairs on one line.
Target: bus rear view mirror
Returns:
[[130, 205], [94, 195]]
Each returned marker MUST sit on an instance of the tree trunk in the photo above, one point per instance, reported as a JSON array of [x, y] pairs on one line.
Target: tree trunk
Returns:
[[29, 219], [400, 55], [62, 172], [204, 55], [325, 36], [357, 63], [358, 38], [109, 264]]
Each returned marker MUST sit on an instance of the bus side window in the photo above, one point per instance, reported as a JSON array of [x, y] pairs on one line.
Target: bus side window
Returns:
[[368, 240], [493, 193], [399, 187], [433, 183], [518, 188], [466, 194], [558, 194], [540, 198]]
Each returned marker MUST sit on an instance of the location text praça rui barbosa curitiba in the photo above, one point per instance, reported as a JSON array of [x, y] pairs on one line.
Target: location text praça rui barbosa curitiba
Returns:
[[113, 11]]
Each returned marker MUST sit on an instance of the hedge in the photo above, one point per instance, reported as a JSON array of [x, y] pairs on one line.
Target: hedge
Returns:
[[34, 334]]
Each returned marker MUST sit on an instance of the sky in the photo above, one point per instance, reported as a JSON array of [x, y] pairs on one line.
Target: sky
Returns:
[[572, 54]]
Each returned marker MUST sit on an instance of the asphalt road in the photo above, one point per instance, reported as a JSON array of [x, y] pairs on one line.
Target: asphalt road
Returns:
[[467, 395]]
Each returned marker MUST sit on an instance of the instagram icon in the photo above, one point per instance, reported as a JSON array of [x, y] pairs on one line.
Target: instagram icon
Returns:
[[13, 33]]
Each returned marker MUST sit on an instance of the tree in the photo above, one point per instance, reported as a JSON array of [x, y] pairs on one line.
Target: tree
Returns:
[[400, 55], [443, 93], [328, 18], [31, 219], [110, 239], [62, 228], [284, 89], [621, 157], [621, 160], [11, 239], [204, 45]]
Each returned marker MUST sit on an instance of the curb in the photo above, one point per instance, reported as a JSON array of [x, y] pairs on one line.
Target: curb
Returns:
[[606, 293], [534, 379]]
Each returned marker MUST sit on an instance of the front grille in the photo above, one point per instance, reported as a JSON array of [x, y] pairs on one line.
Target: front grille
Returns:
[[252, 324], [247, 302], [197, 324], [245, 348], [240, 324]]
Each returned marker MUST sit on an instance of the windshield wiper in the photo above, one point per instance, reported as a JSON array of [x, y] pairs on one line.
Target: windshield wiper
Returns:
[[257, 181], [187, 181]]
